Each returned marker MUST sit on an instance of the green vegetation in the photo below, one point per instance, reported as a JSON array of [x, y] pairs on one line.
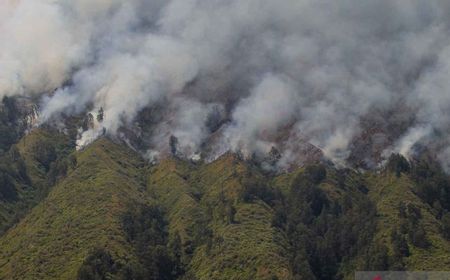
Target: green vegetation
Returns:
[[146, 228], [99, 265], [103, 213], [55, 234], [28, 170], [10, 128]]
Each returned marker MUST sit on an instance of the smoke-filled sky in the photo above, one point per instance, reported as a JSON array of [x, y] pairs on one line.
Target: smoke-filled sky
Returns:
[[241, 74]]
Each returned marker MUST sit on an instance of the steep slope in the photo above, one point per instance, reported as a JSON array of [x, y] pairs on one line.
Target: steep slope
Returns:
[[243, 245], [109, 215], [328, 220], [401, 210], [82, 212], [223, 235], [28, 170], [367, 221], [41, 148], [17, 115]]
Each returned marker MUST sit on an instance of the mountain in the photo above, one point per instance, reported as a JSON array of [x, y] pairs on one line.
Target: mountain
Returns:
[[27, 171], [216, 140], [104, 212], [79, 213]]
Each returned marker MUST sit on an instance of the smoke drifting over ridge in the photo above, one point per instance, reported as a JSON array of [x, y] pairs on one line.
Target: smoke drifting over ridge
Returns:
[[240, 75]]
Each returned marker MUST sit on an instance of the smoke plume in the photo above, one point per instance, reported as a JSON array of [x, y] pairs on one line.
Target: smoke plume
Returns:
[[238, 75]]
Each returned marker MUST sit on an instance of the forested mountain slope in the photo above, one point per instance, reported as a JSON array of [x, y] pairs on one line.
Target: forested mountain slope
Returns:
[[81, 212], [28, 170], [104, 213]]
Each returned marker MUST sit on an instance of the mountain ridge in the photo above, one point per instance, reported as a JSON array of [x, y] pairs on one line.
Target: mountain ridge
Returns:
[[227, 219]]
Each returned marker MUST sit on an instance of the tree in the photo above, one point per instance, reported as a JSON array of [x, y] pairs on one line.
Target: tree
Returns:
[[437, 209], [230, 212], [146, 229], [418, 237], [173, 143], [273, 157], [8, 190], [10, 131], [72, 159], [432, 185], [97, 266], [402, 210], [215, 118], [325, 231], [88, 122], [100, 115], [315, 173], [414, 214], [44, 153], [446, 225], [176, 250], [377, 258], [58, 169], [398, 164], [10, 108], [400, 245]]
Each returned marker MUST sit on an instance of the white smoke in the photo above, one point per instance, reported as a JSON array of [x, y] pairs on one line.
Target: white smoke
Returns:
[[271, 105], [412, 136], [38, 47], [241, 74]]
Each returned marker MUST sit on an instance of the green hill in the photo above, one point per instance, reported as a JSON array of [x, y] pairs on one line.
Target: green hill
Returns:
[[224, 235], [104, 213], [28, 170], [81, 212]]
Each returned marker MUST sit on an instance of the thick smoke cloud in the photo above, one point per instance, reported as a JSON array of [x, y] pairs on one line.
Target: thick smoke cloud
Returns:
[[239, 75]]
